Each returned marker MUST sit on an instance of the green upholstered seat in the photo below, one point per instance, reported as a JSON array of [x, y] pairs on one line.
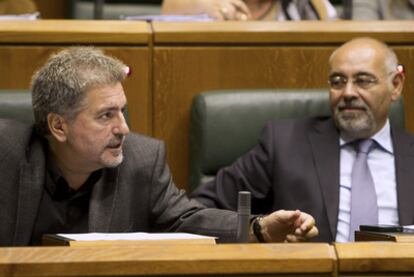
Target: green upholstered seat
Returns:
[[226, 124], [16, 104]]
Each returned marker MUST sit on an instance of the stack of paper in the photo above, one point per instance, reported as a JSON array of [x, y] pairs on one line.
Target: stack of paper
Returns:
[[96, 239]]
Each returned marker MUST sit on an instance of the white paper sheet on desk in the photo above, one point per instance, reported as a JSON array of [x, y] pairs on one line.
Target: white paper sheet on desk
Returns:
[[171, 18], [25, 16], [408, 228], [132, 236]]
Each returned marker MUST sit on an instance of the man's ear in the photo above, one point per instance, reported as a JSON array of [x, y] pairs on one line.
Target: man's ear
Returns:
[[397, 86], [57, 126]]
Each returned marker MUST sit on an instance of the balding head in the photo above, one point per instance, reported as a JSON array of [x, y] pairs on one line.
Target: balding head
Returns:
[[385, 55]]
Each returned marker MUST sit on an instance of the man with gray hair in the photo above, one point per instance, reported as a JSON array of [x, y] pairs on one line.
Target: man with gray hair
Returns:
[[347, 170], [79, 170]]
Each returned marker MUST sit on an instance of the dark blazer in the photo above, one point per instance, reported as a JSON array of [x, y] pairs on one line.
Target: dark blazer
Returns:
[[296, 166], [138, 195]]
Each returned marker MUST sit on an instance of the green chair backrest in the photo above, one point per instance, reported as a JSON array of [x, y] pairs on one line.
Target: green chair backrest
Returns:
[[16, 104]]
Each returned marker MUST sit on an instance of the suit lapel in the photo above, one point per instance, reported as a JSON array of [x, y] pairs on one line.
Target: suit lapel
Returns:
[[103, 200], [32, 176], [404, 162], [325, 147]]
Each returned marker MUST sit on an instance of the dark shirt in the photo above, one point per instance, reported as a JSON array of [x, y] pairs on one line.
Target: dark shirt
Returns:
[[62, 209]]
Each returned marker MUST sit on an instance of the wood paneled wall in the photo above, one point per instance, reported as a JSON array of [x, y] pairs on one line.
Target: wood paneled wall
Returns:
[[52, 9]]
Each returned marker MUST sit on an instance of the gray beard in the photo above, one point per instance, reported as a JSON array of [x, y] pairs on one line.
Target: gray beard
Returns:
[[114, 162], [355, 126]]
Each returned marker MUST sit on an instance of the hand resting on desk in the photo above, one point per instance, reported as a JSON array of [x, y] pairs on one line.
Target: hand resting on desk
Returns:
[[288, 226]]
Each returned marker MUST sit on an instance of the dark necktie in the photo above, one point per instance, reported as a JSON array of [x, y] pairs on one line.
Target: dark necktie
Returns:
[[364, 207]]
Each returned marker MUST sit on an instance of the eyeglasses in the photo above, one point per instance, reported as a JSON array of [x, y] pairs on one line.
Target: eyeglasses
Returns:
[[339, 82], [362, 81]]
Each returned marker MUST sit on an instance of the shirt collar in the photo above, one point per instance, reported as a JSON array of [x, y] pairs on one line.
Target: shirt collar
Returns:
[[382, 138]]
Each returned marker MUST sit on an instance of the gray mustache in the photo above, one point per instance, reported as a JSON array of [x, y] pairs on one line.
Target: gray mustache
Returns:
[[351, 104], [116, 140]]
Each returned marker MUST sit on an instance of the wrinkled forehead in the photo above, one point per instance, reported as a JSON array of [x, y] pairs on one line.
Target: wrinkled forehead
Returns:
[[100, 96]]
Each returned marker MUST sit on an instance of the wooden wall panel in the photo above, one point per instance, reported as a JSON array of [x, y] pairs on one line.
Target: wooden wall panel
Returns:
[[52, 8], [406, 57], [137, 86], [19, 63]]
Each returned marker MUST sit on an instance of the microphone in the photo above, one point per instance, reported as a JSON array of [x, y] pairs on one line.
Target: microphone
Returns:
[[243, 212]]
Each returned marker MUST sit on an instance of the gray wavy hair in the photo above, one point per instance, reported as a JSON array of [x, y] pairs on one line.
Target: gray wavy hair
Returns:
[[60, 85]]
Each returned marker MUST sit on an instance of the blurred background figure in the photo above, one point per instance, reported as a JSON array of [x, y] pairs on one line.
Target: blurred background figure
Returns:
[[383, 9], [111, 9], [254, 9], [17, 6]]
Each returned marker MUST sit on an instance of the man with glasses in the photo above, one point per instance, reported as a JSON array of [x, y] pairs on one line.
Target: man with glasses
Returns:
[[348, 170]]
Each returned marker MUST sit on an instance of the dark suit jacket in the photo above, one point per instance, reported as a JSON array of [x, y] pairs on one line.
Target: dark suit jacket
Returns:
[[138, 195], [296, 166]]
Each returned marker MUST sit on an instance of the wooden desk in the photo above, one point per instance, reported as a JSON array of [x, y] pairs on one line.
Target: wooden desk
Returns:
[[25, 45], [192, 58], [176, 260], [375, 258]]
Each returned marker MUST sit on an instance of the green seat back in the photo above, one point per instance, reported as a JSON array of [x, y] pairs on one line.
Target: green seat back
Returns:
[[16, 104]]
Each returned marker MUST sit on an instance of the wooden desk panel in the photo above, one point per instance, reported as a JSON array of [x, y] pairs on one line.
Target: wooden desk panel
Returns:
[[192, 58], [52, 8], [75, 31], [242, 259], [288, 32], [375, 258]]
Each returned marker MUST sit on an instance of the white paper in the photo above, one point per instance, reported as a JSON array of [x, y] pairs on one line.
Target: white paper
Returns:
[[25, 16], [171, 18], [132, 236], [408, 228]]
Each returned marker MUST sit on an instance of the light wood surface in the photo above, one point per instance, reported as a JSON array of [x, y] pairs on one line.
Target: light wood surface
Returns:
[[375, 257], [246, 259], [308, 259], [75, 31], [297, 32], [191, 58]]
